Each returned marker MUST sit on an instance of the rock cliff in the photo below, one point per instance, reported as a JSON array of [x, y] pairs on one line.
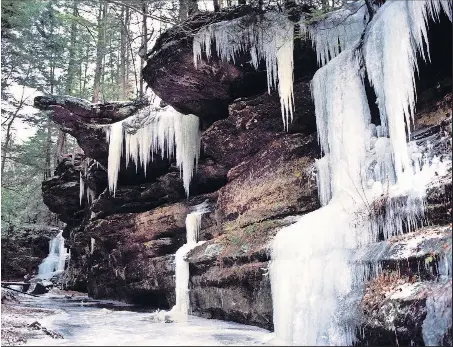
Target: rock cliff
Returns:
[[256, 177]]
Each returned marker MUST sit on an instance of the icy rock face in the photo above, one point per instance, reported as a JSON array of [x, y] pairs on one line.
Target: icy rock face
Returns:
[[271, 177], [270, 39], [438, 317], [369, 184]]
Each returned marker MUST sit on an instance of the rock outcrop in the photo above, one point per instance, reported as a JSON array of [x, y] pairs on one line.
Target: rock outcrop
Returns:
[[171, 74], [24, 248], [82, 120], [257, 179]]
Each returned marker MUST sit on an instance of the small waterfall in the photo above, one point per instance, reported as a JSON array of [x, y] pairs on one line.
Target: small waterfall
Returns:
[[55, 262], [193, 223]]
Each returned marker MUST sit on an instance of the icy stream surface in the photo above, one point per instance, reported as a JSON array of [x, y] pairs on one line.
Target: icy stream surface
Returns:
[[87, 322]]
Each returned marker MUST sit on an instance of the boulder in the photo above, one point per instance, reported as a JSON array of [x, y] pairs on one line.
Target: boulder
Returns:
[[41, 287]]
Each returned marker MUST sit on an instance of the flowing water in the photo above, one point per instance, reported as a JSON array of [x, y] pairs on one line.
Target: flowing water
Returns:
[[55, 262], [88, 322]]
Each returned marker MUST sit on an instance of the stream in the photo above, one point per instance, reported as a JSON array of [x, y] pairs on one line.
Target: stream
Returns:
[[84, 321]]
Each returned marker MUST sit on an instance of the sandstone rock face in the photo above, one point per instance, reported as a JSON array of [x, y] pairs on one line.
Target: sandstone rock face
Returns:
[[255, 122], [279, 180], [132, 255], [61, 192]]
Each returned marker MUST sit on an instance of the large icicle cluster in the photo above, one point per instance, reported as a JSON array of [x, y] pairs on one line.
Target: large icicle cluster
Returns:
[[391, 62], [371, 181], [163, 131], [268, 38], [339, 30]]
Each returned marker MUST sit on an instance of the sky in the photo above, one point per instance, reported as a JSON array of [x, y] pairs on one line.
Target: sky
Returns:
[[22, 130]]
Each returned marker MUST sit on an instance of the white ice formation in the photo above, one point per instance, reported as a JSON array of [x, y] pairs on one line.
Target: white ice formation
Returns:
[[339, 30], [181, 309], [371, 180], [55, 262], [81, 188], [162, 131]]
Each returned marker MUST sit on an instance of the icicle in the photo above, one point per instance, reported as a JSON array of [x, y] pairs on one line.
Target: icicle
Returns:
[[339, 30], [115, 139], [390, 62], [323, 180], [269, 38], [162, 130], [193, 224], [92, 245], [81, 188], [91, 195]]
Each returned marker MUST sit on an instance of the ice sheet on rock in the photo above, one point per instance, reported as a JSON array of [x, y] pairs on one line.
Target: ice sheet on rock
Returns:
[[310, 271], [341, 29], [180, 311]]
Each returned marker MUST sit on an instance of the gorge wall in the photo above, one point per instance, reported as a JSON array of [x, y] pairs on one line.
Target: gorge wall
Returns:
[[256, 177]]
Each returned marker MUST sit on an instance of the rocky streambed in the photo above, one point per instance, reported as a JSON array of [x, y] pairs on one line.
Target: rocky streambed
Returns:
[[71, 318]]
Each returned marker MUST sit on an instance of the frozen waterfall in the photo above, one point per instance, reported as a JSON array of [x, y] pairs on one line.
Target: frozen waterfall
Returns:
[[371, 181], [54, 263], [180, 311]]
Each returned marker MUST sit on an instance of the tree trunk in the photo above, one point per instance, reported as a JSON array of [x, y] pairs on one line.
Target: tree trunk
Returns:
[[144, 45], [48, 163], [183, 9], [5, 149], [123, 55], [100, 52], [72, 52], [216, 5], [85, 73], [126, 53], [70, 78], [193, 7]]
